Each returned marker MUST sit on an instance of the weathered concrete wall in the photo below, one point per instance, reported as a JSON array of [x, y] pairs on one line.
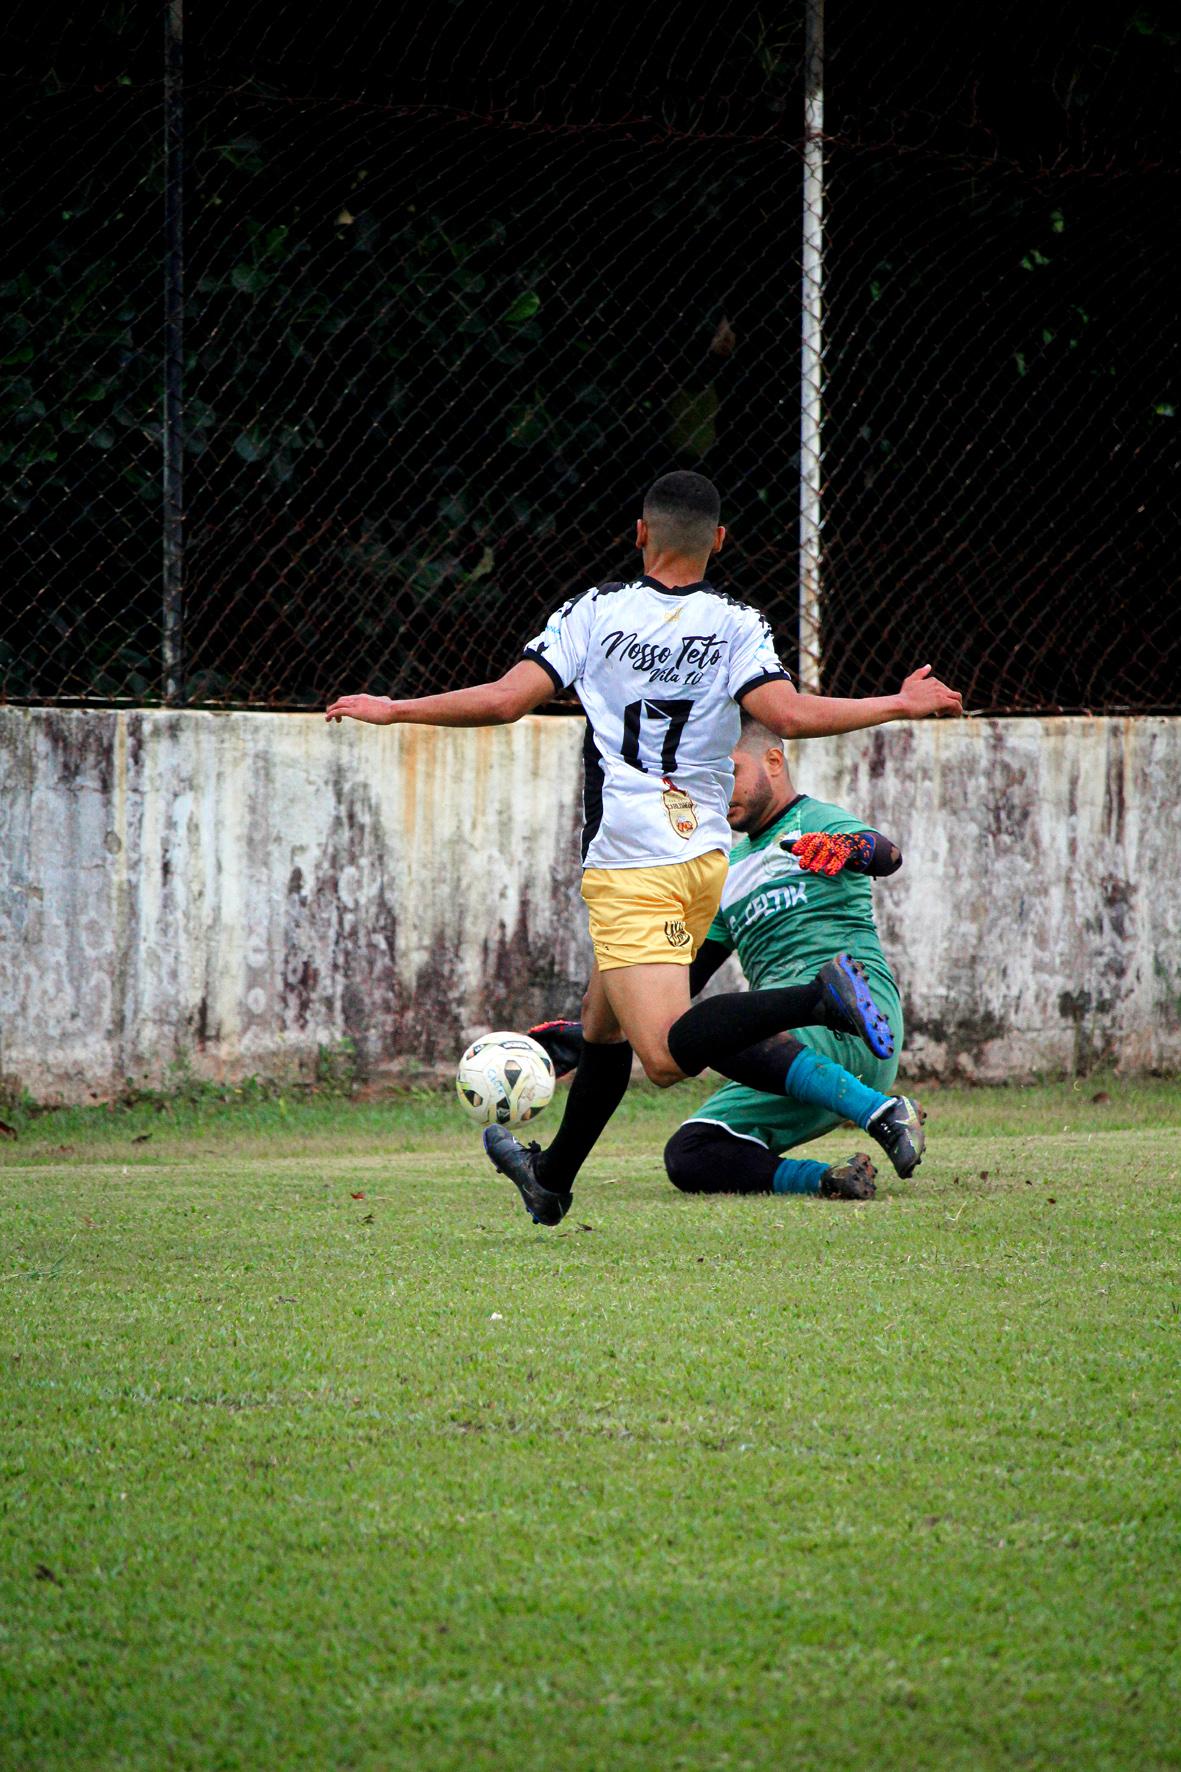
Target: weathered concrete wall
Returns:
[[242, 889], [1036, 924]]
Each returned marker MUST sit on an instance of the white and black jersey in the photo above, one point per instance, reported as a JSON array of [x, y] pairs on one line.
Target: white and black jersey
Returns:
[[660, 673]]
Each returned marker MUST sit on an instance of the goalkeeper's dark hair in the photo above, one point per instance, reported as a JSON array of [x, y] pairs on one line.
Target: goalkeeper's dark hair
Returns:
[[756, 737], [682, 511]]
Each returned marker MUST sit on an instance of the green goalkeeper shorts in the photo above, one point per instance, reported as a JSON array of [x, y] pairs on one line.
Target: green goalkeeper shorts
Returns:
[[780, 1121]]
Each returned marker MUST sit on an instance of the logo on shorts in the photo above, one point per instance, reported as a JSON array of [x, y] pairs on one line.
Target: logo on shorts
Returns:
[[677, 934]]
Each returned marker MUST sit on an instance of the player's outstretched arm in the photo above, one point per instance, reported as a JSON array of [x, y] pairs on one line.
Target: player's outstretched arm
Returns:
[[781, 707], [518, 692]]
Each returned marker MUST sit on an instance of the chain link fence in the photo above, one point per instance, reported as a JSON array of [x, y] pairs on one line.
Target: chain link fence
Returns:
[[336, 352]]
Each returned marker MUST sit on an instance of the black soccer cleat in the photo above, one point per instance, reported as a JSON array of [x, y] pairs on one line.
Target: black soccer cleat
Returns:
[[563, 1042], [850, 1180], [518, 1162], [851, 1008], [898, 1128]]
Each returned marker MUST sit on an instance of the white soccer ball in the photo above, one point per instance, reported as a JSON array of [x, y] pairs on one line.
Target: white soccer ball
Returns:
[[504, 1080]]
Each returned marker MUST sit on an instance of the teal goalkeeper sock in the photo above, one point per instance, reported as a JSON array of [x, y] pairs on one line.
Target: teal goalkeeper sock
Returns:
[[830, 1085], [798, 1176]]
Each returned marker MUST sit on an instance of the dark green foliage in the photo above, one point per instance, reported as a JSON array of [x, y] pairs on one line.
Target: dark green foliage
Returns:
[[454, 295]]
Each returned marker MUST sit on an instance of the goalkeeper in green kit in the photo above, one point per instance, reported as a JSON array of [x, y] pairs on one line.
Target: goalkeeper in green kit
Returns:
[[797, 891]]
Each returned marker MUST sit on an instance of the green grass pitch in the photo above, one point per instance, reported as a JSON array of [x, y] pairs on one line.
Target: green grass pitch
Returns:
[[315, 1453]]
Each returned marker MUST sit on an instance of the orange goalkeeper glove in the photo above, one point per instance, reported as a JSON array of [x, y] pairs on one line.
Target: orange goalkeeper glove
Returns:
[[824, 852]]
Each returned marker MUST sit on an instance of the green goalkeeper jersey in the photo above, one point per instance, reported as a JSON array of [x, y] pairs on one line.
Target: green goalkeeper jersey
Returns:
[[784, 923]]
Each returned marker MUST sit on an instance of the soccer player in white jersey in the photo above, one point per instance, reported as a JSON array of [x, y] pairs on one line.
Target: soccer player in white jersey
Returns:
[[662, 665]]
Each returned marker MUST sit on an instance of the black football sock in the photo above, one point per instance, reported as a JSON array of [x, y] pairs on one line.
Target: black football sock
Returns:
[[719, 1027], [763, 1067], [598, 1087]]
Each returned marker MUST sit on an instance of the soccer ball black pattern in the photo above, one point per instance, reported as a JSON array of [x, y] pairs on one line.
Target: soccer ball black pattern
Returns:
[[504, 1079]]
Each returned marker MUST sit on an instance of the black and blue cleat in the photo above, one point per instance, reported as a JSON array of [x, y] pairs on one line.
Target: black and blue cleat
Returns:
[[518, 1162], [851, 1007]]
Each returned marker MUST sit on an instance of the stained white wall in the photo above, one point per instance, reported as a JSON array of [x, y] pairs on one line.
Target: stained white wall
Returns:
[[1036, 923], [241, 889]]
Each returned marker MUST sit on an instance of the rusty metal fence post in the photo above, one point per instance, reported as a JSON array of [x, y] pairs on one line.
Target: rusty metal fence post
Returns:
[[811, 348], [172, 425]]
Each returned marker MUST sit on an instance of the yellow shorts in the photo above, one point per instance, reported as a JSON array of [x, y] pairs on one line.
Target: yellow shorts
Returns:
[[639, 916]]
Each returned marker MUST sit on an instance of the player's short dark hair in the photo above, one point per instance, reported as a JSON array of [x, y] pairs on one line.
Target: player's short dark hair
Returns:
[[756, 737], [682, 511]]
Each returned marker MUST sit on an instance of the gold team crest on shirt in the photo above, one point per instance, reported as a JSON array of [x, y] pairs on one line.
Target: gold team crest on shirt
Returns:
[[682, 814]]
